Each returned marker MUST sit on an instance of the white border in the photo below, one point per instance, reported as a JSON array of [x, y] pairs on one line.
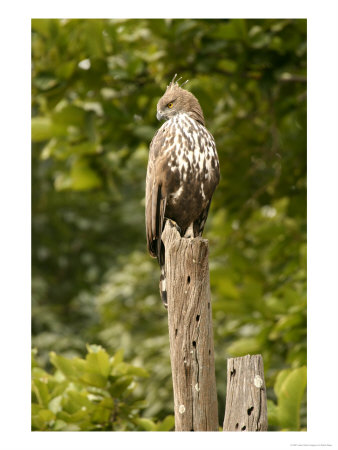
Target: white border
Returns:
[[322, 223]]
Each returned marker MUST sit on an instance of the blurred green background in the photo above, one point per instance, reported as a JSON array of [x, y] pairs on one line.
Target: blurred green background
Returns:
[[95, 86]]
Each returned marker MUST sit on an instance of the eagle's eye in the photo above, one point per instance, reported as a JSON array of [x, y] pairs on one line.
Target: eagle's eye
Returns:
[[170, 105]]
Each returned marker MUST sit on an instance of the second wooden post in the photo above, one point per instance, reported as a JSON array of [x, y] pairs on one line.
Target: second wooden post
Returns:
[[190, 332]]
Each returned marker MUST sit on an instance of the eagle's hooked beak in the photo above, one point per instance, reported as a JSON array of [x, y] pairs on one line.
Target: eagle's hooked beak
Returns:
[[159, 116]]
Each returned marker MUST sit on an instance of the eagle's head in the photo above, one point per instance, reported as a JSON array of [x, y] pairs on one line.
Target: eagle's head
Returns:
[[177, 100]]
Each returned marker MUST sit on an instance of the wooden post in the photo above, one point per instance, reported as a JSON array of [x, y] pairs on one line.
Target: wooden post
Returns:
[[190, 332], [245, 408]]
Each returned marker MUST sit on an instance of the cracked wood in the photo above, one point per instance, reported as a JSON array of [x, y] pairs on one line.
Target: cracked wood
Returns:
[[246, 408], [190, 332]]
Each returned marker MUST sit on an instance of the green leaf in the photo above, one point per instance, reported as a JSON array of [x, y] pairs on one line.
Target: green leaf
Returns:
[[146, 424], [83, 177], [128, 369], [61, 149], [138, 371], [98, 360], [45, 82], [139, 404], [34, 353], [289, 321], [46, 415], [55, 404], [38, 423], [65, 365], [227, 287], [40, 389], [75, 401], [244, 346], [282, 375], [120, 385], [291, 391], [167, 424], [272, 413], [59, 425], [65, 70], [93, 378], [67, 114], [227, 65], [62, 181], [118, 357], [42, 26], [233, 30], [43, 128]]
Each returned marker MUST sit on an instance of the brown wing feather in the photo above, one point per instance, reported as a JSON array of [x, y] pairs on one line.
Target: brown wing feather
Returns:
[[155, 203], [200, 222]]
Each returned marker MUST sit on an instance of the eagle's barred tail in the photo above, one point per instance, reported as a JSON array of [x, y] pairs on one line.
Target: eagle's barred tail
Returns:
[[163, 290]]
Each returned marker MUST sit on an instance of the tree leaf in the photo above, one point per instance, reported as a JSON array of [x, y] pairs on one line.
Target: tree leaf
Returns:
[[98, 361], [272, 413], [146, 424], [291, 392], [65, 365], [167, 424], [43, 128], [83, 177]]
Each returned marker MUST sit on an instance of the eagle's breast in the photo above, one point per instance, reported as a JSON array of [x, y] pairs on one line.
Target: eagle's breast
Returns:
[[190, 165]]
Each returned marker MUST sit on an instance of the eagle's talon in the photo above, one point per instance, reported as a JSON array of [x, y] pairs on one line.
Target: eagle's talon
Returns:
[[173, 224]]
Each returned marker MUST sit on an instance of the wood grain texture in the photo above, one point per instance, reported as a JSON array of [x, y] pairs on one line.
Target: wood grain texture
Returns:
[[245, 408], [190, 332]]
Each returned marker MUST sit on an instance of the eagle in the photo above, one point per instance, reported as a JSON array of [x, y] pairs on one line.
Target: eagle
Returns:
[[182, 173]]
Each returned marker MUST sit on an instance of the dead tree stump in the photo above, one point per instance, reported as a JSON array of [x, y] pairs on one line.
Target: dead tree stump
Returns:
[[190, 332], [245, 408]]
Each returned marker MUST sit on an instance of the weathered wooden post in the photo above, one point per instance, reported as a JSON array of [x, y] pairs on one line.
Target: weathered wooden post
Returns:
[[192, 348], [190, 332], [245, 408]]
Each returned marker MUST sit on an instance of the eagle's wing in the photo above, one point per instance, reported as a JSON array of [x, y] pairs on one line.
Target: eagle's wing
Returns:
[[155, 201], [200, 222], [211, 182]]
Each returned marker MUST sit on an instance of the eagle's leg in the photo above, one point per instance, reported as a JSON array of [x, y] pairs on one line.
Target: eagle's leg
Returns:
[[163, 289], [162, 284], [189, 233]]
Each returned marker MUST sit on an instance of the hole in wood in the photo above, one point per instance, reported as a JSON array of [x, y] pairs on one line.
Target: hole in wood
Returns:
[[188, 279], [209, 352], [194, 344], [232, 373], [243, 428], [250, 410], [208, 305], [176, 332], [192, 429], [197, 317], [236, 427]]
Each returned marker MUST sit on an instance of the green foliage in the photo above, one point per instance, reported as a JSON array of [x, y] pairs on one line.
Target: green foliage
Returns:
[[95, 393], [289, 388], [95, 85]]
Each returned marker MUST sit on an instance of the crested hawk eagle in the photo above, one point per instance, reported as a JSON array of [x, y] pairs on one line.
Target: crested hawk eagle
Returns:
[[182, 173]]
